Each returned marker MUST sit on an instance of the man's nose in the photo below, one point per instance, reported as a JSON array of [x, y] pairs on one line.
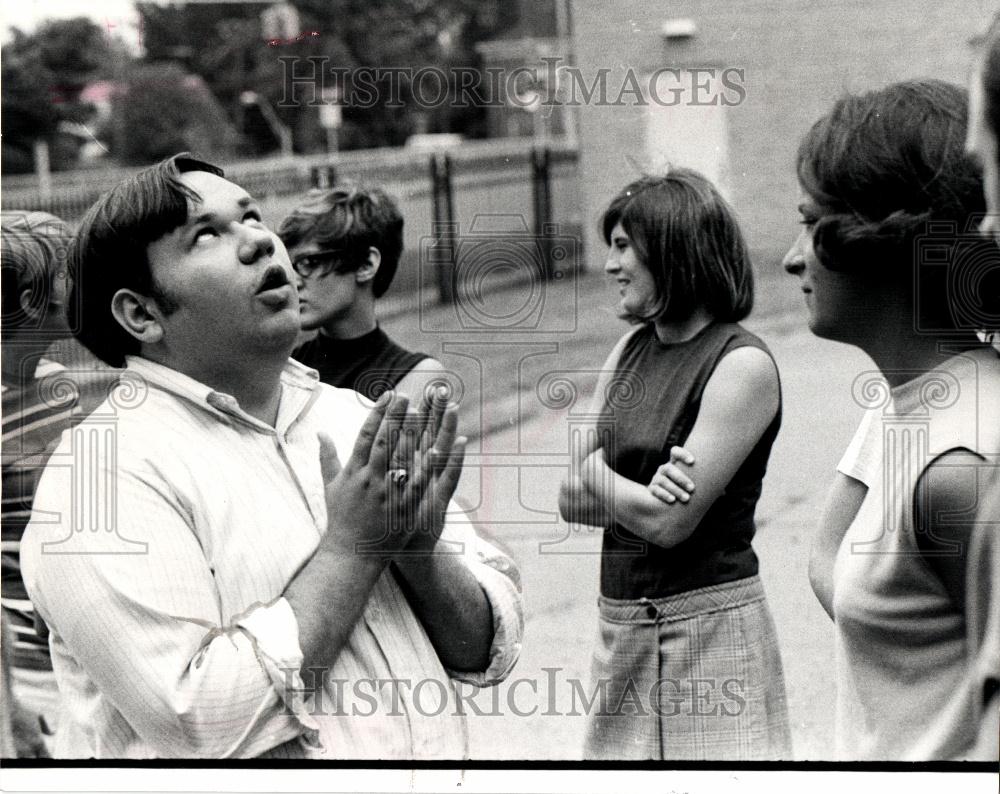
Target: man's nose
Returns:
[[255, 244], [611, 264]]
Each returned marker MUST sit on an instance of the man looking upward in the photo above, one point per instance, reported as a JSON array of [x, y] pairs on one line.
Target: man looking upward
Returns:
[[220, 570]]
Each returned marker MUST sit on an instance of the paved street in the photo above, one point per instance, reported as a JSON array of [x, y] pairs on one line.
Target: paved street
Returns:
[[512, 478]]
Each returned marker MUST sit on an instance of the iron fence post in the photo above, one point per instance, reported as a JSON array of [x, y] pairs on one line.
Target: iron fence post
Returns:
[[445, 230], [323, 176], [542, 200]]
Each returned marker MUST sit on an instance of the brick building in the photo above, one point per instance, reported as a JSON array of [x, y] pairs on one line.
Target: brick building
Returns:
[[787, 60]]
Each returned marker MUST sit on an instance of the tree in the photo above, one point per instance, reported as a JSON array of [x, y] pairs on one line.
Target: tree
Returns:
[[225, 44], [162, 110], [407, 35], [43, 75]]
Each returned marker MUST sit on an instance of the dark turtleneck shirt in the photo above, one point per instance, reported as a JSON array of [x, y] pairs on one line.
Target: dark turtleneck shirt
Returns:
[[369, 364]]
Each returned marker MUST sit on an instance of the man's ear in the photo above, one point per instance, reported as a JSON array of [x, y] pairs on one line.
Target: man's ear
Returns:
[[367, 271], [28, 301], [138, 315]]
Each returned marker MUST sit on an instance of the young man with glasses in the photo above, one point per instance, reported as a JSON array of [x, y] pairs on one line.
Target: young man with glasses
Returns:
[[345, 244]]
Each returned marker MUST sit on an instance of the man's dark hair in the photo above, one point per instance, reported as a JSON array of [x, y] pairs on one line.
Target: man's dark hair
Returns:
[[687, 236], [110, 251], [350, 219]]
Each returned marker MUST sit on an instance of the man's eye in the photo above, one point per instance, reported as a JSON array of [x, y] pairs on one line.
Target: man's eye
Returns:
[[205, 234], [253, 215]]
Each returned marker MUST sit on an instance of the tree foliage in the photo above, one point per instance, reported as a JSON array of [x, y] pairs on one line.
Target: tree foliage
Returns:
[[162, 110], [225, 44], [43, 75]]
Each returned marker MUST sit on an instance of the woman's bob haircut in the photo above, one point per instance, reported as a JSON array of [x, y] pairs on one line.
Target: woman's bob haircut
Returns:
[[686, 234]]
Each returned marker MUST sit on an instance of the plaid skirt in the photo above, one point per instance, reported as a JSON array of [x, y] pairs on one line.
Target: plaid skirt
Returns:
[[694, 676]]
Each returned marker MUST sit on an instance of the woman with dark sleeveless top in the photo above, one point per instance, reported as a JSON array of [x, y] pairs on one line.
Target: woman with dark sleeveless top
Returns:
[[687, 662]]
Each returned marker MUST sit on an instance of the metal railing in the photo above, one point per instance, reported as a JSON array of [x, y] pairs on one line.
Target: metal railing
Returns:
[[438, 191]]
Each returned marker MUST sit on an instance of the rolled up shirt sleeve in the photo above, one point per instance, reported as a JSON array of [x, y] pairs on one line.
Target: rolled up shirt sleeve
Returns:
[[500, 580], [136, 608]]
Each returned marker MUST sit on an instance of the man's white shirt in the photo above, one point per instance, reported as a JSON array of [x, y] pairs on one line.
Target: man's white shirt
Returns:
[[164, 531]]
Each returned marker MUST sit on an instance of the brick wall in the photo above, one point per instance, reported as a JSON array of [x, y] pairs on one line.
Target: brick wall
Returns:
[[799, 55]]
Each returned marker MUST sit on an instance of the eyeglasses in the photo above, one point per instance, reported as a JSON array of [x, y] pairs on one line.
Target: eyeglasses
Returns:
[[321, 262]]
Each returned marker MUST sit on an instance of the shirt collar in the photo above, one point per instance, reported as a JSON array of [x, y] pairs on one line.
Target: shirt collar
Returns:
[[299, 389]]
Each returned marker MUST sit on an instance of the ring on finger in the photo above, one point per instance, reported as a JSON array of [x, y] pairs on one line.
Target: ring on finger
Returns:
[[398, 477]]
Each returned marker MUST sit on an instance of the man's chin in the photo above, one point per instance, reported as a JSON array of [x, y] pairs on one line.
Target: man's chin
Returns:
[[283, 331]]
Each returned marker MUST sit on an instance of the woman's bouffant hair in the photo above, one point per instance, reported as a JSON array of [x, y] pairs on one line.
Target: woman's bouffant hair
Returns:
[[883, 164], [687, 236]]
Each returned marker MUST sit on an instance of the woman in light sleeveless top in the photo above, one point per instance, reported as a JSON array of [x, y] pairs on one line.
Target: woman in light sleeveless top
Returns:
[[889, 261]]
